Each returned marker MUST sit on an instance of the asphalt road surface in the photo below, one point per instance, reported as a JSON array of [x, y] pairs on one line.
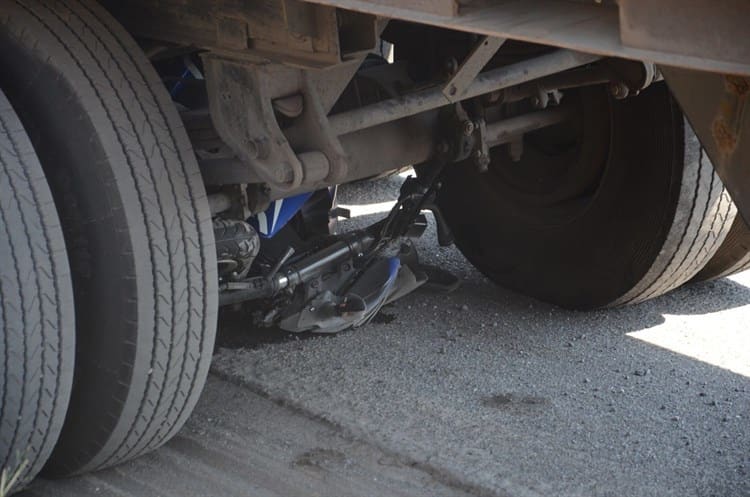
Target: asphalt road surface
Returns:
[[480, 392]]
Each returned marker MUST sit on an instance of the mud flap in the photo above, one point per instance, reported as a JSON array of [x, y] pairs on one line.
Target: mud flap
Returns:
[[717, 107]]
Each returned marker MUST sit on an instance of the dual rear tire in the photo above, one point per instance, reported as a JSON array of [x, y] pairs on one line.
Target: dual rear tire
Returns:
[[619, 206], [136, 225], [732, 257], [36, 310]]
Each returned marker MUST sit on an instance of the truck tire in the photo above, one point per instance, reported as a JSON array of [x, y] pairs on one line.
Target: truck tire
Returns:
[[36, 310], [732, 257], [616, 207], [136, 222]]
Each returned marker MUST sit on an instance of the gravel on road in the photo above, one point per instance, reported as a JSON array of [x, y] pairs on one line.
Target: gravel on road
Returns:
[[479, 392], [504, 395]]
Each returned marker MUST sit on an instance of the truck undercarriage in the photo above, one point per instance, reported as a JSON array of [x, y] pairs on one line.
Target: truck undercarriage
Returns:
[[589, 154]]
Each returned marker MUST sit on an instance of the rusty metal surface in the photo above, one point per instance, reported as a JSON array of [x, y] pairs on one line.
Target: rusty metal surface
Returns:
[[697, 34], [718, 108], [701, 28], [584, 26], [291, 31]]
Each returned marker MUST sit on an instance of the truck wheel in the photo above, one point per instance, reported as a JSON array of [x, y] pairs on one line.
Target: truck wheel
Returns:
[[732, 257], [615, 207], [36, 310], [136, 222]]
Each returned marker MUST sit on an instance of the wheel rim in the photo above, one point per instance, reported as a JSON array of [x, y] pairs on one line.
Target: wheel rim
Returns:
[[561, 167]]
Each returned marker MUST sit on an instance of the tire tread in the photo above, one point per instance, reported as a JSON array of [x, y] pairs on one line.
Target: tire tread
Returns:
[[36, 308], [166, 207], [732, 257], [692, 239]]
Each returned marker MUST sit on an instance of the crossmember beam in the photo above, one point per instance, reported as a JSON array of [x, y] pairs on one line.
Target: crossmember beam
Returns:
[[595, 27]]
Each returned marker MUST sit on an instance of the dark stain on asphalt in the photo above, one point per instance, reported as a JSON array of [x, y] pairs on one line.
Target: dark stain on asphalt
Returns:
[[513, 401], [383, 318], [321, 459]]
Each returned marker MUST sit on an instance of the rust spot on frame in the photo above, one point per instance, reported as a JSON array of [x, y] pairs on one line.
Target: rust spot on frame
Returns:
[[725, 137], [737, 85]]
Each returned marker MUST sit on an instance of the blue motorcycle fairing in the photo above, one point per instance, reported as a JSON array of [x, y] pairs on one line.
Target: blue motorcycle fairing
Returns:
[[278, 214]]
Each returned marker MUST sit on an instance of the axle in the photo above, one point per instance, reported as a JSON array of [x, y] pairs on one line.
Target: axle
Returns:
[[433, 98]]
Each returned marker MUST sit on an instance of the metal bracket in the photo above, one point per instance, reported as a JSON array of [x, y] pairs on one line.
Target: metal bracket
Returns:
[[240, 99], [312, 131], [469, 136], [471, 67], [482, 152], [718, 108], [245, 99]]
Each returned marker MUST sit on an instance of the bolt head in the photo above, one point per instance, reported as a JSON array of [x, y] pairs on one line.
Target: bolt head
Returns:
[[257, 148], [482, 160], [468, 128], [451, 65], [618, 90]]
